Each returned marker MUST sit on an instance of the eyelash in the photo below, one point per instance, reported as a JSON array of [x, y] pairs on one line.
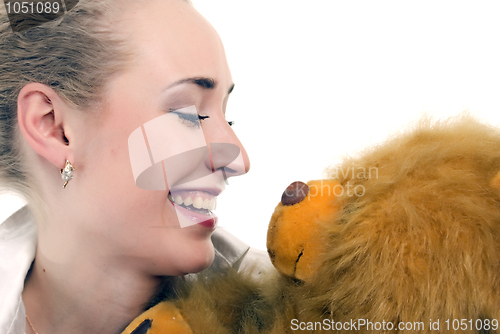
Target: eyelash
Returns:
[[194, 119]]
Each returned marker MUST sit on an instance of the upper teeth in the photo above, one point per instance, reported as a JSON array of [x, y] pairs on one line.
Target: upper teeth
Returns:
[[197, 202]]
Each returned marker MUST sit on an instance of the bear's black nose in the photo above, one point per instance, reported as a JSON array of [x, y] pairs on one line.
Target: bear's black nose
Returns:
[[294, 193]]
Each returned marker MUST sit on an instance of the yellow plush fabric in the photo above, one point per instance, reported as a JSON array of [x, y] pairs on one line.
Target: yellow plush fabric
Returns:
[[165, 317], [423, 242]]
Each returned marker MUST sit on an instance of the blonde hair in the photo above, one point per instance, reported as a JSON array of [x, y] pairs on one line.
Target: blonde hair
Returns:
[[75, 55]]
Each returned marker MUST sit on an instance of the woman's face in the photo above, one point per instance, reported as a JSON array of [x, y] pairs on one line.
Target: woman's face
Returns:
[[179, 63]]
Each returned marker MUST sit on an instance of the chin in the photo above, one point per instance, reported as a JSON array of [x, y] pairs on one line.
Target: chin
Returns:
[[196, 259], [202, 260]]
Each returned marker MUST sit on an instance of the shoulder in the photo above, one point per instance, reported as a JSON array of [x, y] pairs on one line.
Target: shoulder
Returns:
[[18, 235]]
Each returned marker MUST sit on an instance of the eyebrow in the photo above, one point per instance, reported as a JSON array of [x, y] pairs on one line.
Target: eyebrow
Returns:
[[203, 82]]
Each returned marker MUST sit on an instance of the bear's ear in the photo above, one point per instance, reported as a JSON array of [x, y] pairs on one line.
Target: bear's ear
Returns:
[[495, 182]]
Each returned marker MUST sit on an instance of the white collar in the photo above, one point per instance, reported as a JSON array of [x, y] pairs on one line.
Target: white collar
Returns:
[[18, 238]]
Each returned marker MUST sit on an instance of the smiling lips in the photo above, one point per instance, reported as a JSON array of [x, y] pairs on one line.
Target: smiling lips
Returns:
[[195, 201], [194, 207]]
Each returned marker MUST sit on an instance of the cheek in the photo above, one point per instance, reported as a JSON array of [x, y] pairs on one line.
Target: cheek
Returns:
[[111, 186], [131, 218]]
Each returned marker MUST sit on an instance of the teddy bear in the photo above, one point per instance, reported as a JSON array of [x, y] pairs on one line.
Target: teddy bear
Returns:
[[403, 237]]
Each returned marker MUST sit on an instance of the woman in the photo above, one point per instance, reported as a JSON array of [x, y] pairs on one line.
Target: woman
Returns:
[[73, 91]]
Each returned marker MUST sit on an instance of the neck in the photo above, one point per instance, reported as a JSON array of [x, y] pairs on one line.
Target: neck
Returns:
[[86, 295]]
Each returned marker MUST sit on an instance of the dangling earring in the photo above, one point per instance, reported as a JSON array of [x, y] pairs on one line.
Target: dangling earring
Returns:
[[67, 173]]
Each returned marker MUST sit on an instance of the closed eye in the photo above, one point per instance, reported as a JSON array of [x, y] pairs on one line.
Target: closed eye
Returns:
[[188, 119], [192, 120]]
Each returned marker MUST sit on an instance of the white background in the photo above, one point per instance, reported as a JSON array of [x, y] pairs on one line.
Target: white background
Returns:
[[316, 80]]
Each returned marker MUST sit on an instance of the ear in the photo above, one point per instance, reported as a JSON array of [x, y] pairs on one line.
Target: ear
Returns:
[[41, 114]]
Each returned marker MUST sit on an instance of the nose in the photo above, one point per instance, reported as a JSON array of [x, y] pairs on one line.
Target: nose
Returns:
[[226, 152], [228, 157]]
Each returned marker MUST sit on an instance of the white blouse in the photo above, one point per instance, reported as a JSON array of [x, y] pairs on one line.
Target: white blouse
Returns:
[[18, 238]]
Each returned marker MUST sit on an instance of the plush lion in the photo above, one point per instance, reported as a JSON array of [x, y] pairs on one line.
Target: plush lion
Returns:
[[403, 238]]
